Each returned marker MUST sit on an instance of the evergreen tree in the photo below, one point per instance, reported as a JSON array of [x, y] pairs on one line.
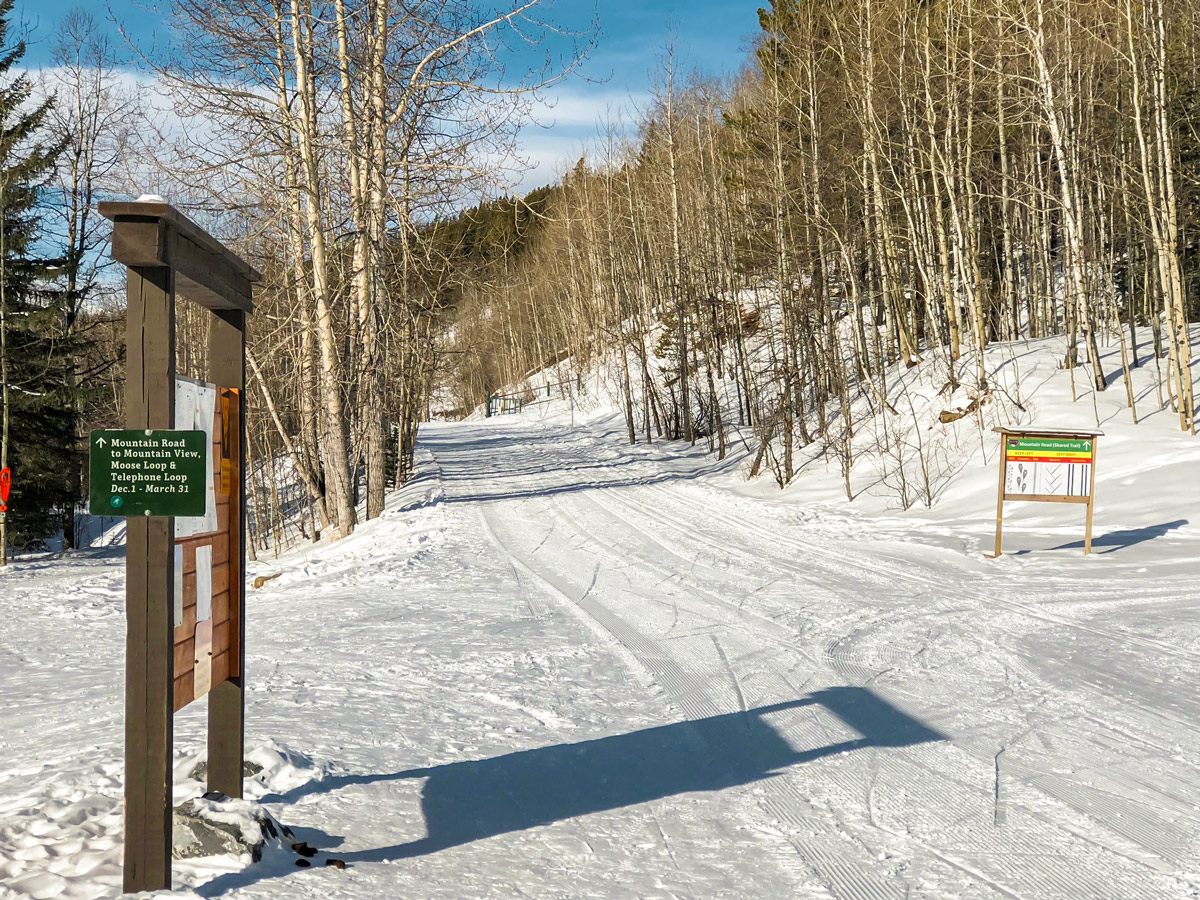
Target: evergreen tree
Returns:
[[37, 427]]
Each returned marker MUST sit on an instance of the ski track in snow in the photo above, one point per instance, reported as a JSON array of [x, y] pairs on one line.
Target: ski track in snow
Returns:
[[1097, 831], [555, 668]]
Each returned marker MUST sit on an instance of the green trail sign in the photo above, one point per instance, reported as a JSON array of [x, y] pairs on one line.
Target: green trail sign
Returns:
[[148, 473]]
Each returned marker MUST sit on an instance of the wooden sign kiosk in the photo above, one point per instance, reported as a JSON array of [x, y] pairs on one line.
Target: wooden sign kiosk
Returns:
[[1047, 465], [168, 255]]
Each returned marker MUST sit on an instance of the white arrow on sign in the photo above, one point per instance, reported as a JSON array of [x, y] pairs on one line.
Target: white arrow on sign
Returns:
[[100, 442]]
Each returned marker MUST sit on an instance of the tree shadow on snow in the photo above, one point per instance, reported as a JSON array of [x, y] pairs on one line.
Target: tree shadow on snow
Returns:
[[488, 481], [567, 487], [471, 800], [472, 475]]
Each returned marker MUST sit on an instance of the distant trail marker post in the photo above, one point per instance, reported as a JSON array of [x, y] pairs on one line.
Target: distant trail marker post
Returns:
[[1047, 465], [176, 650]]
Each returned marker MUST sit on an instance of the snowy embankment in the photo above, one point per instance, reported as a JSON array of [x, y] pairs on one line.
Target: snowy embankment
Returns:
[[564, 667], [916, 477]]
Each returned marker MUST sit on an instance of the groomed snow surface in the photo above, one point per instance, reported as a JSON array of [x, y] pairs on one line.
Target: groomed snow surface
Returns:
[[563, 667]]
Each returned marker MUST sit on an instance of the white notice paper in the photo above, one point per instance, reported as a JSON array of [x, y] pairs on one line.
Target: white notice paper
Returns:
[[202, 664], [177, 594], [204, 582], [195, 409]]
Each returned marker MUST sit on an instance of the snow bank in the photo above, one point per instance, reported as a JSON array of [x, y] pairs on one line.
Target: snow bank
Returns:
[[61, 836], [908, 466]]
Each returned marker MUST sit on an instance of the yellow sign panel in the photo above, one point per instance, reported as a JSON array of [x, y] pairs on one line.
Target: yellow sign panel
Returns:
[[226, 443]]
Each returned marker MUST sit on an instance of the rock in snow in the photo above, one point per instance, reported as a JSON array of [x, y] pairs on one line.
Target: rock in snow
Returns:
[[216, 825]]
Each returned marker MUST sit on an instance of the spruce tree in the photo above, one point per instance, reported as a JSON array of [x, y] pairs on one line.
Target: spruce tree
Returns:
[[37, 427]]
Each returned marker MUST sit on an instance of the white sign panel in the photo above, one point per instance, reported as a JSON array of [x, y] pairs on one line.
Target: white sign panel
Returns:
[[178, 589], [202, 661], [195, 410], [204, 592], [1049, 479]]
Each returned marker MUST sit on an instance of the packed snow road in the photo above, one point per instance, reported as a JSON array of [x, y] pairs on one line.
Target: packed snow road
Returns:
[[562, 667], [915, 722]]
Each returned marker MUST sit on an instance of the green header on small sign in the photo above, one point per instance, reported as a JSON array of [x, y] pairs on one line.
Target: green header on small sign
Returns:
[[1065, 445], [148, 473]]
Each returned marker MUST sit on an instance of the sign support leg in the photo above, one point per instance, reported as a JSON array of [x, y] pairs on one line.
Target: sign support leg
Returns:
[[227, 700], [1000, 497], [149, 650], [1087, 534]]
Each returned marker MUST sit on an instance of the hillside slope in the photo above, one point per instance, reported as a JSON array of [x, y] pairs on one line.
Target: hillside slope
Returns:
[[910, 470]]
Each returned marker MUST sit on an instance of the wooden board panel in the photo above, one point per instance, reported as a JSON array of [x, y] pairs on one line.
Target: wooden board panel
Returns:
[[220, 545], [220, 668], [184, 631], [237, 546], [185, 690], [1045, 498], [221, 607], [220, 584], [220, 639], [184, 653]]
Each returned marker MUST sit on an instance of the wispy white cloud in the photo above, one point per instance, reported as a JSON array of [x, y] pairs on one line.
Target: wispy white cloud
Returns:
[[580, 108], [565, 124]]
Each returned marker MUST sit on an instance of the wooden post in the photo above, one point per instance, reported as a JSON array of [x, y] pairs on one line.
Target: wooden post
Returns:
[[150, 561], [167, 254], [1087, 535], [1000, 494], [226, 700]]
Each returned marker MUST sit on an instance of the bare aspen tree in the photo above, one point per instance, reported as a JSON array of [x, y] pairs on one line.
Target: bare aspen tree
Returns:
[[344, 126], [882, 186], [94, 110]]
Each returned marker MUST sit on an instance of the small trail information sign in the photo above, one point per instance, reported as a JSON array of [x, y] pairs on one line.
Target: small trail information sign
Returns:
[[148, 473], [1048, 466]]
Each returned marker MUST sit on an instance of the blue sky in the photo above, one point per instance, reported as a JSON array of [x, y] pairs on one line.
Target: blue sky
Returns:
[[710, 35]]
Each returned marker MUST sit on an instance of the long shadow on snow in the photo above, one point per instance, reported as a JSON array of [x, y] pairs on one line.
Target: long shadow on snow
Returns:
[[1120, 540], [475, 799]]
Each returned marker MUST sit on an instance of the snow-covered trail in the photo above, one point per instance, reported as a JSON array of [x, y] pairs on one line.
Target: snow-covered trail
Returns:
[[961, 728], [562, 667]]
